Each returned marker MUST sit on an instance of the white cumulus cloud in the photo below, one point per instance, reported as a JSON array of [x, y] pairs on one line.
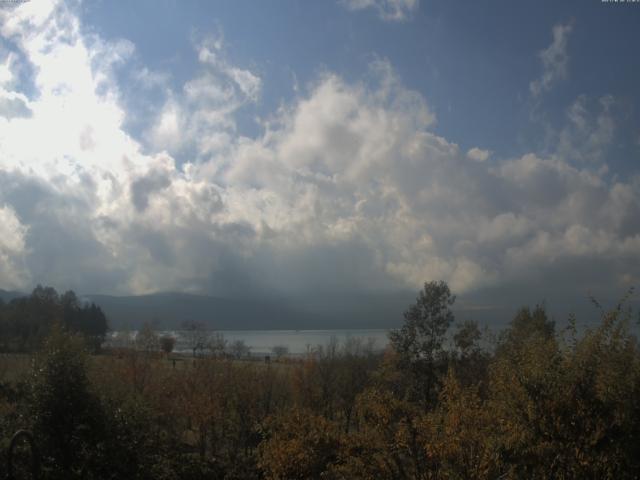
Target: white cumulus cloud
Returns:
[[346, 188]]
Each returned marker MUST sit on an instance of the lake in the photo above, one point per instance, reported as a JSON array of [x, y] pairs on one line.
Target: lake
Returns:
[[262, 342]]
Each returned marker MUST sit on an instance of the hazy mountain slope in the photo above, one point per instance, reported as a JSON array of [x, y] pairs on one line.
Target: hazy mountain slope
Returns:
[[169, 310], [8, 295], [317, 312]]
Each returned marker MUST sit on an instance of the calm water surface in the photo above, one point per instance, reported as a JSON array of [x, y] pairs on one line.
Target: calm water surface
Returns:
[[297, 341]]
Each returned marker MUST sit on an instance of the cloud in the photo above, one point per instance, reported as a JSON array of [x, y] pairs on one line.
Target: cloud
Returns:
[[12, 249], [589, 130], [141, 188], [201, 115], [478, 154], [14, 107], [351, 162], [347, 188], [13, 104], [389, 10], [554, 59]]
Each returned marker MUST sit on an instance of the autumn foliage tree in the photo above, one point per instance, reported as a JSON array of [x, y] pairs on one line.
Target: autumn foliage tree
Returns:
[[298, 446], [419, 342], [66, 416], [539, 403]]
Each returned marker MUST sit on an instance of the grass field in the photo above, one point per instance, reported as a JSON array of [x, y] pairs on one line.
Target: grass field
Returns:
[[14, 366]]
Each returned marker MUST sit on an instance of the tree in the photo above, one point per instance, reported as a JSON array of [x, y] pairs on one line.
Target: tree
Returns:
[[280, 351], [27, 321], [387, 443], [426, 323], [525, 327], [418, 343], [239, 349], [298, 445], [470, 361], [122, 339], [196, 335], [467, 337], [167, 343], [567, 410], [355, 364], [95, 325], [147, 339], [67, 417], [460, 433], [217, 344]]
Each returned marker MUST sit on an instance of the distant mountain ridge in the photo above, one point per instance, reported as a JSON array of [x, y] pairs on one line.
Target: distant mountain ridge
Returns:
[[311, 312], [8, 295], [169, 310]]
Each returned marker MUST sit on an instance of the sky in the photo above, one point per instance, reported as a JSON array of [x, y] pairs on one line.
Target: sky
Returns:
[[274, 149]]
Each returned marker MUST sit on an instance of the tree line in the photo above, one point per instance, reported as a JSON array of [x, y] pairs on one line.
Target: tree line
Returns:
[[25, 322], [532, 401]]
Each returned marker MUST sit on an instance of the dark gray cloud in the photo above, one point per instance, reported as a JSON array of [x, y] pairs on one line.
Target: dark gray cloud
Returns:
[[141, 188]]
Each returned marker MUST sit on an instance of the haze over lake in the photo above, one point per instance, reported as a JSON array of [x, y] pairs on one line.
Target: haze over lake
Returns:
[[299, 342]]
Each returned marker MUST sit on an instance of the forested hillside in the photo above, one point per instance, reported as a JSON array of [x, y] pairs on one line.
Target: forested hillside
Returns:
[[26, 320]]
